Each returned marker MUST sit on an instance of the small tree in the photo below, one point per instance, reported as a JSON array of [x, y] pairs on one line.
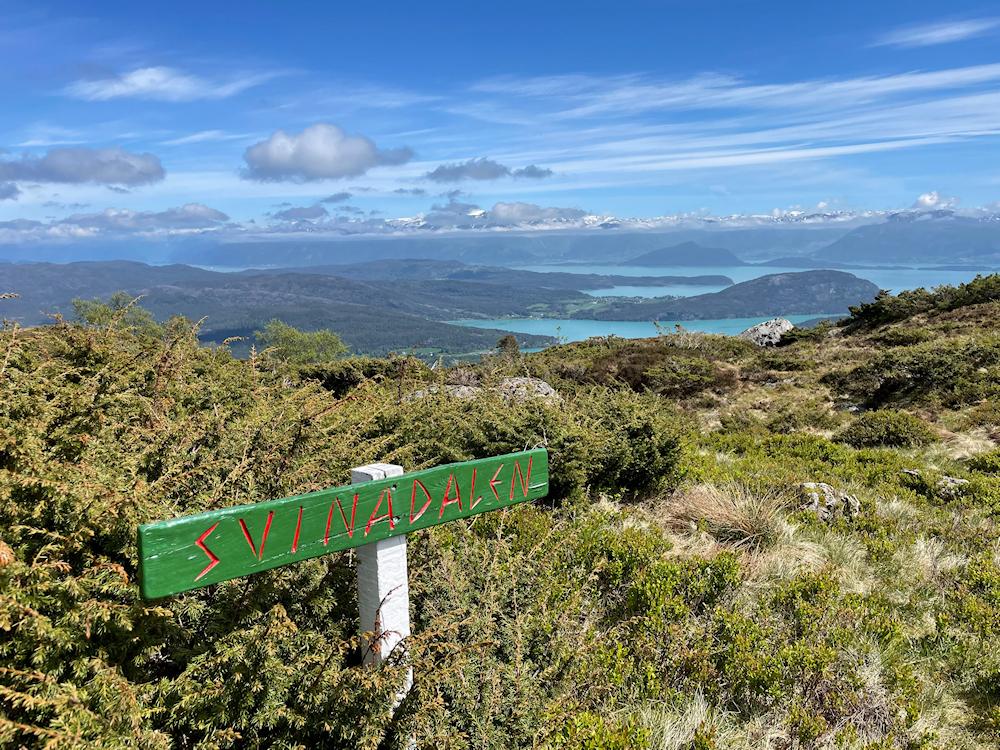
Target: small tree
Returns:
[[508, 346], [121, 309], [300, 347]]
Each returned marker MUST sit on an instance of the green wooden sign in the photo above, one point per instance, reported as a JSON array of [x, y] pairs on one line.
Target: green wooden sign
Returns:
[[199, 550]]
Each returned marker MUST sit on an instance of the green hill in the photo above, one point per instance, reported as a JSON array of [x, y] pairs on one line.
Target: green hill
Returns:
[[742, 547]]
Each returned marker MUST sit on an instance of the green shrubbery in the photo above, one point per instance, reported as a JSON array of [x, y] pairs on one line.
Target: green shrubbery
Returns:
[[578, 622], [887, 428], [889, 308], [960, 372], [986, 463], [675, 365]]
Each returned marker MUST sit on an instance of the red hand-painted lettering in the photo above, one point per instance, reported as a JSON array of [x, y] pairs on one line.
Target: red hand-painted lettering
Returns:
[[493, 482], [258, 553], [413, 500], [446, 501], [200, 544], [298, 528], [348, 527], [372, 520], [473, 500], [525, 478]]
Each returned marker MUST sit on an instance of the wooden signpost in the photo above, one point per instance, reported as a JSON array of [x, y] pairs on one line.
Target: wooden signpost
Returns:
[[374, 513], [198, 550]]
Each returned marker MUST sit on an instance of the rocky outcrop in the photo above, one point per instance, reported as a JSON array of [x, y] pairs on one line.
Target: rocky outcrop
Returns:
[[519, 389], [826, 502], [951, 487], [768, 333], [512, 389]]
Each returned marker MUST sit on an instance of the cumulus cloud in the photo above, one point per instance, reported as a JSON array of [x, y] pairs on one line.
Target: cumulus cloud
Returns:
[[473, 169], [483, 169], [188, 216], [926, 35], [301, 213], [109, 166], [319, 152], [161, 84], [516, 213], [532, 171], [337, 198], [933, 200], [9, 191]]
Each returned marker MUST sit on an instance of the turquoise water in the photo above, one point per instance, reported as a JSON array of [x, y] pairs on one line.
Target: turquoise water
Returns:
[[893, 279], [578, 330]]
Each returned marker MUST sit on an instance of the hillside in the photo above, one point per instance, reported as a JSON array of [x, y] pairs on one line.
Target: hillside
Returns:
[[803, 293], [416, 269], [686, 254], [373, 317], [742, 547], [919, 238]]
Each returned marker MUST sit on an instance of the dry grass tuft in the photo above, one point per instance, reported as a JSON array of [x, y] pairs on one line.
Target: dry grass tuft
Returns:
[[735, 514]]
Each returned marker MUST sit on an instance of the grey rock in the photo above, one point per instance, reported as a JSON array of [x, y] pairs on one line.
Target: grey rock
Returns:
[[512, 389], [951, 487], [768, 333], [827, 502], [455, 391], [522, 388]]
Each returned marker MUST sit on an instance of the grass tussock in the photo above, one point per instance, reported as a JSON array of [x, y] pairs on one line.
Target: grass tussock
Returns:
[[736, 514]]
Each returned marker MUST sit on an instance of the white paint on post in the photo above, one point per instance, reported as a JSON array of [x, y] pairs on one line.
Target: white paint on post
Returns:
[[383, 591]]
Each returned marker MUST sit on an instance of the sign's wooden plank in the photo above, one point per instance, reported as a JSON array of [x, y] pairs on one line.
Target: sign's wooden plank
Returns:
[[199, 550]]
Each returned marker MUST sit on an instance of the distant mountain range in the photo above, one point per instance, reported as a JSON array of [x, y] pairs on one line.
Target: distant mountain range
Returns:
[[833, 238], [919, 238]]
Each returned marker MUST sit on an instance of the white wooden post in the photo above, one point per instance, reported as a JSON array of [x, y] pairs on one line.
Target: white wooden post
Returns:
[[383, 591]]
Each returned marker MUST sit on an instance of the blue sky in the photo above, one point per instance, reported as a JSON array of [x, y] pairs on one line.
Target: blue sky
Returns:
[[183, 116]]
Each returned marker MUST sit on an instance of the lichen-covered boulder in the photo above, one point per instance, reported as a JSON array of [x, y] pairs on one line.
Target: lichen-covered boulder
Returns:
[[521, 388], [768, 333], [826, 502]]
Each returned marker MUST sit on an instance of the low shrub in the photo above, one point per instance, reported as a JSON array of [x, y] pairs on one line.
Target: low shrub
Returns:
[[986, 463], [886, 428], [964, 371], [343, 375]]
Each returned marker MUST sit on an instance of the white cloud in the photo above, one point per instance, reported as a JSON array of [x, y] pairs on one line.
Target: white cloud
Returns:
[[189, 216], [319, 152], [483, 169], [109, 166], [162, 84], [301, 213], [945, 32], [205, 136], [934, 200], [579, 96], [518, 212], [337, 198]]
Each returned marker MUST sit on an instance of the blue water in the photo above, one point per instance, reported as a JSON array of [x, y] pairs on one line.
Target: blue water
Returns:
[[578, 330], [893, 279]]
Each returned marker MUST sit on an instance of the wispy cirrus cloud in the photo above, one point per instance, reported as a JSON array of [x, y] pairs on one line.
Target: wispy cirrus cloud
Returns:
[[162, 83], [581, 96], [205, 136], [943, 32]]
